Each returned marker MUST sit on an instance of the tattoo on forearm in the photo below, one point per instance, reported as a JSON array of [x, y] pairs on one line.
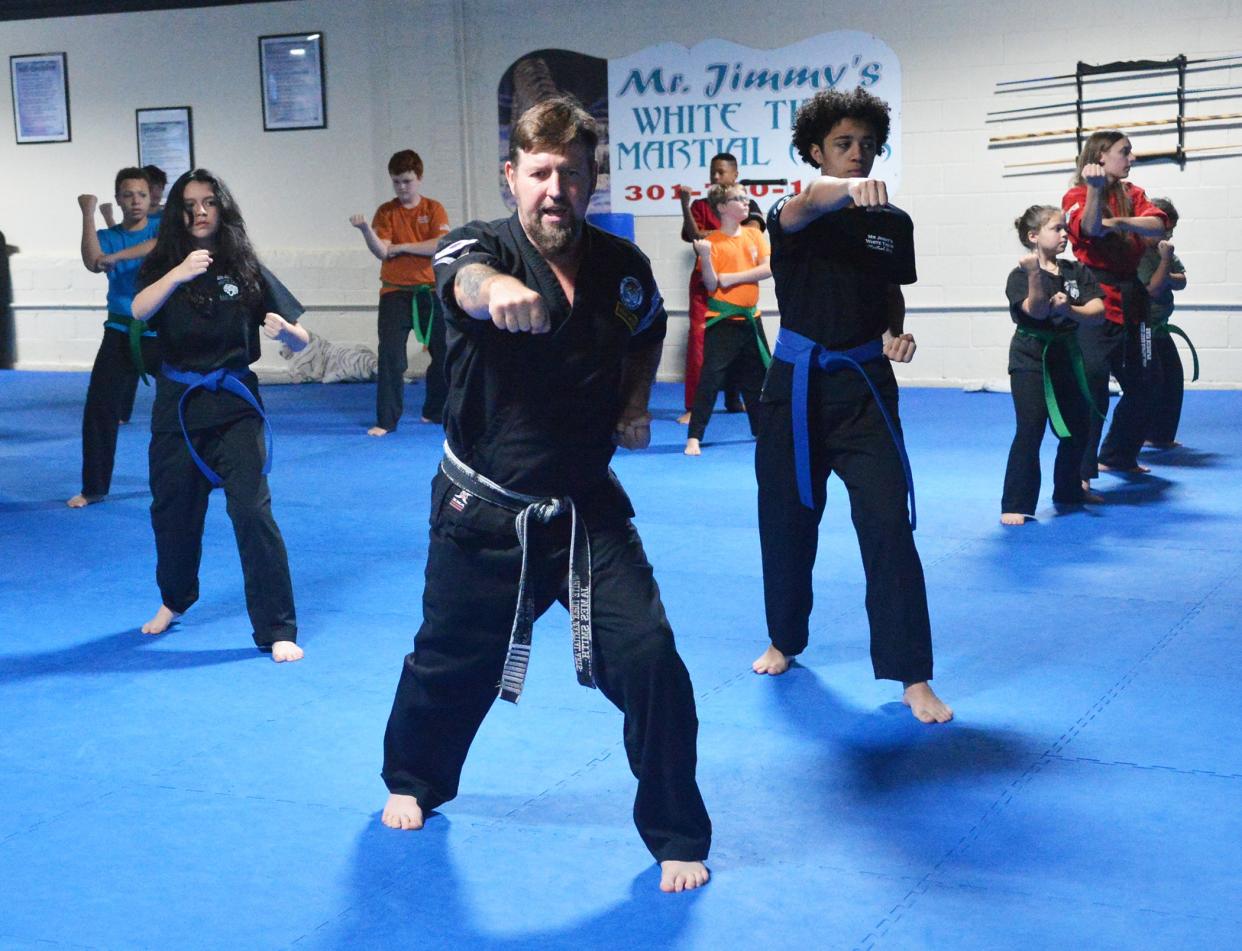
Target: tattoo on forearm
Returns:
[[468, 284]]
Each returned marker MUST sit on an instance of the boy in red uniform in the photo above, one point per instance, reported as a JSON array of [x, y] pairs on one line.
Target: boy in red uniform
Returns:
[[403, 234], [732, 261], [699, 218]]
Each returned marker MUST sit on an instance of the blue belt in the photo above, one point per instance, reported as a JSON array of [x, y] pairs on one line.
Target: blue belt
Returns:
[[226, 379], [802, 352]]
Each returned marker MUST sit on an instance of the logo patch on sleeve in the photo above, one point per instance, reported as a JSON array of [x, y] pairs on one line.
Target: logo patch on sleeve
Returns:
[[631, 293]]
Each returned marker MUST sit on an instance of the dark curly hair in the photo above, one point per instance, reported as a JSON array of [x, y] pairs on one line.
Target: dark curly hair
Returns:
[[821, 112], [233, 253]]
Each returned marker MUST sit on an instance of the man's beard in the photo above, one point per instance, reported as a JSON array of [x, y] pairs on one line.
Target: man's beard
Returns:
[[554, 239]]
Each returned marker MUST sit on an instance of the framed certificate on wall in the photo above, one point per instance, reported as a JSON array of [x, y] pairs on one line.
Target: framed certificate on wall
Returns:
[[292, 75], [166, 139], [40, 84]]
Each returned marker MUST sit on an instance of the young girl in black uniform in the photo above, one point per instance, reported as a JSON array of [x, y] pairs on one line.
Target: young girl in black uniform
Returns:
[[204, 290], [1048, 297]]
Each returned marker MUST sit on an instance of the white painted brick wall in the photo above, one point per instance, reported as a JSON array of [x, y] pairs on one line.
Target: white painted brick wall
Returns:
[[297, 189]]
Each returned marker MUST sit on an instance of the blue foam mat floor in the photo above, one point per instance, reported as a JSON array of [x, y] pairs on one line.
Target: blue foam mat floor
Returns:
[[185, 792]]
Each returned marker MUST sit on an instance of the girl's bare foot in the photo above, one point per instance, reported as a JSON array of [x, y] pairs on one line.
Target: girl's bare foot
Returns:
[[377, 431], [81, 501], [771, 661], [692, 448], [682, 876], [1135, 469], [1013, 518], [1092, 498], [402, 812], [286, 652], [684, 418], [925, 705], [159, 624]]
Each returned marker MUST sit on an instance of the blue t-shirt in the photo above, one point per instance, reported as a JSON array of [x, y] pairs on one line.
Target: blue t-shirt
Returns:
[[124, 273]]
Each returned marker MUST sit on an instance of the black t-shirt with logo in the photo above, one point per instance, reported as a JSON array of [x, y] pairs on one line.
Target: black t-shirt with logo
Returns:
[[536, 412], [208, 323], [832, 279], [1078, 284]]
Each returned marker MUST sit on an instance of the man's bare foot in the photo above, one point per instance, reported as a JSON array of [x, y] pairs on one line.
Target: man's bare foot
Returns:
[[377, 431], [159, 624], [1086, 485], [692, 448], [1092, 498], [81, 501], [925, 705], [684, 418], [1135, 469], [285, 652], [402, 812], [682, 876], [1013, 518], [1172, 444], [771, 661]]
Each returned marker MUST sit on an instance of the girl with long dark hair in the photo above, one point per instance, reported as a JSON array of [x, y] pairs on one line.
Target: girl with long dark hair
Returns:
[[204, 290], [1108, 218]]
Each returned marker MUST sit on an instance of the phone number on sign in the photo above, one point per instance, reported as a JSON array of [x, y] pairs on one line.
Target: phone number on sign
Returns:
[[670, 193]]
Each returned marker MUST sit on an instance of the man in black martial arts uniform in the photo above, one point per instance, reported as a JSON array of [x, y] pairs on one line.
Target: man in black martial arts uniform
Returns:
[[839, 255], [554, 332]]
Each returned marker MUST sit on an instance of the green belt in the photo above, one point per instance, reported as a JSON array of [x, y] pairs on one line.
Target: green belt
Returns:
[[421, 327], [1166, 329], [1070, 339], [722, 310], [136, 329]]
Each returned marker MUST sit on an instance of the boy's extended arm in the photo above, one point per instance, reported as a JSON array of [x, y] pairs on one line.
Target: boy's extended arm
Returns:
[[377, 245], [423, 249], [91, 251], [130, 253], [827, 194], [760, 272]]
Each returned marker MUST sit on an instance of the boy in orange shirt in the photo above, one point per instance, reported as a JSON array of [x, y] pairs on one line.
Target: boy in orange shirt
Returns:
[[403, 234], [733, 261]]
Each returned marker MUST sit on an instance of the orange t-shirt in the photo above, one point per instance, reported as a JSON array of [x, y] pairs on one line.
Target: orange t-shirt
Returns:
[[398, 225], [741, 252]]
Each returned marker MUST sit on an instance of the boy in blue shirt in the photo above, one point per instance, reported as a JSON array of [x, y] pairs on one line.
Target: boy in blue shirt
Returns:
[[128, 348]]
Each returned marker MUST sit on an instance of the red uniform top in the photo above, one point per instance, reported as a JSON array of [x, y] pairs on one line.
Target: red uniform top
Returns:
[[706, 219], [1116, 253]]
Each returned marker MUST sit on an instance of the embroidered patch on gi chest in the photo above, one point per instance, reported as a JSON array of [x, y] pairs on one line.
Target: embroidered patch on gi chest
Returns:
[[228, 288], [1071, 290]]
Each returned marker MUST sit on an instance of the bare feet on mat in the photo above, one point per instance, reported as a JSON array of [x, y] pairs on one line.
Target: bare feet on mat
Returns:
[[402, 812], [1092, 498], [377, 431], [1013, 518], [682, 876], [925, 705], [159, 624], [684, 418], [1173, 444], [1135, 469], [81, 501], [692, 448], [771, 661], [285, 652]]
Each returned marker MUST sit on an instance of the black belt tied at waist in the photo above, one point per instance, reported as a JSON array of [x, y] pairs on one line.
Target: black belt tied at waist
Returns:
[[543, 511], [1135, 302]]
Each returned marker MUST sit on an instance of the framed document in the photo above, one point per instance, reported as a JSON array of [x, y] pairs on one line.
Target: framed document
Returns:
[[291, 72], [166, 139], [40, 85]]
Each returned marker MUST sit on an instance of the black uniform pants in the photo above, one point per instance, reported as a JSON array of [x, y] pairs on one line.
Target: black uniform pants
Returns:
[[179, 494], [395, 310], [851, 439], [1165, 408], [1022, 475], [1112, 348], [109, 399], [451, 679], [730, 353]]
